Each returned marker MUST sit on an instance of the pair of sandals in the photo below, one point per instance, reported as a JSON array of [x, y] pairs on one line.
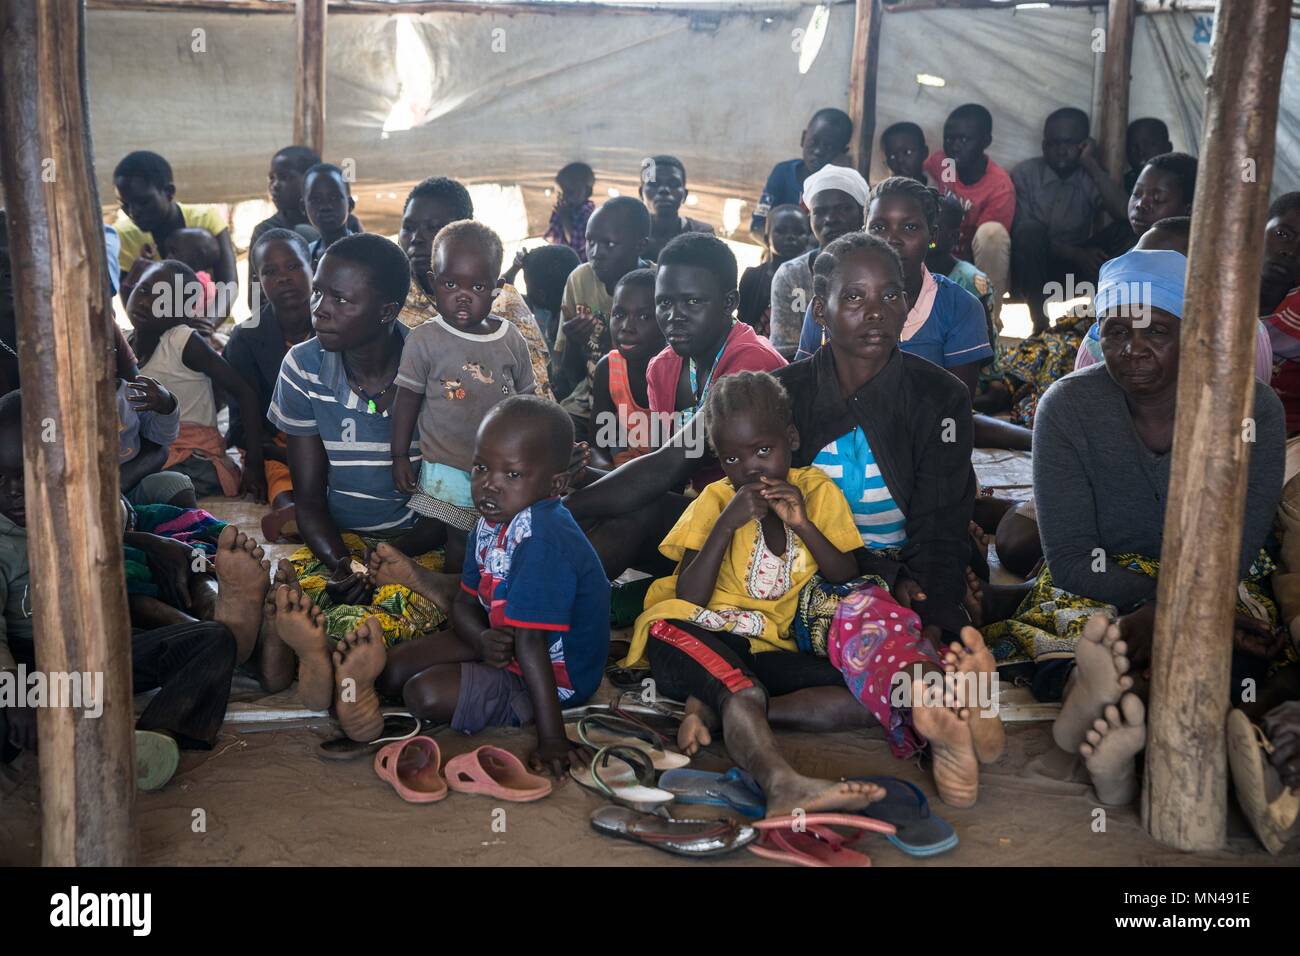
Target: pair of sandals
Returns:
[[413, 767]]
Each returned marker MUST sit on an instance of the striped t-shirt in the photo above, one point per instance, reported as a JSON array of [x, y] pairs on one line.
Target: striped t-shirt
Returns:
[[849, 463], [313, 397]]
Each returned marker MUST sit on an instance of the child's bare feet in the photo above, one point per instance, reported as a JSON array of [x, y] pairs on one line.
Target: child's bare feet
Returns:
[[982, 537], [1109, 749], [972, 657], [274, 656], [1100, 677], [952, 745], [358, 660], [300, 624], [697, 727], [390, 566], [794, 791], [242, 579]]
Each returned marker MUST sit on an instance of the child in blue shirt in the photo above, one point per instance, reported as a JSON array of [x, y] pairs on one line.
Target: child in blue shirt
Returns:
[[824, 140], [531, 626]]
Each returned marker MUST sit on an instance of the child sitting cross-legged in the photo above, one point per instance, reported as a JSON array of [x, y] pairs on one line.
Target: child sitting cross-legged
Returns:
[[620, 406], [455, 367], [717, 632], [532, 622]]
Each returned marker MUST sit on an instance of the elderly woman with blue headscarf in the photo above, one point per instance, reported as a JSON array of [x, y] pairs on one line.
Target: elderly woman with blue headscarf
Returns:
[[1102, 442]]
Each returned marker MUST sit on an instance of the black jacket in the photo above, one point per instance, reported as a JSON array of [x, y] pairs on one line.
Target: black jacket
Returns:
[[917, 418]]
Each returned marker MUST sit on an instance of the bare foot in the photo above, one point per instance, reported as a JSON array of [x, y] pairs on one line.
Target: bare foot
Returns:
[[982, 537], [974, 601], [1109, 749], [956, 768], [358, 660], [968, 660], [390, 566], [243, 579], [697, 727], [811, 795], [300, 624], [1100, 677], [274, 657]]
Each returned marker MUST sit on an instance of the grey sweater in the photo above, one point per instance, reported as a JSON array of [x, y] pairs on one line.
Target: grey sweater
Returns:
[[1097, 486]]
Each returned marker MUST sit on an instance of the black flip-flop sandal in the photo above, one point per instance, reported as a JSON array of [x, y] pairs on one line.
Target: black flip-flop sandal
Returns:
[[397, 726]]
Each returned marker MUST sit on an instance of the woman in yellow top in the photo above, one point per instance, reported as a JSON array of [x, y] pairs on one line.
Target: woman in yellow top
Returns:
[[717, 633]]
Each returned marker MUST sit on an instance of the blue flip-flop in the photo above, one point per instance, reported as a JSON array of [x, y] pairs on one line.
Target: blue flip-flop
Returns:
[[734, 789], [918, 832]]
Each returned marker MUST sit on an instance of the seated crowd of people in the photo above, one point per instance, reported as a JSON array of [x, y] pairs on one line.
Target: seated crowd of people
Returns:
[[470, 469]]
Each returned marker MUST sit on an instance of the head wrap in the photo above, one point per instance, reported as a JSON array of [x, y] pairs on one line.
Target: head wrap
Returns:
[[843, 178], [1143, 277]]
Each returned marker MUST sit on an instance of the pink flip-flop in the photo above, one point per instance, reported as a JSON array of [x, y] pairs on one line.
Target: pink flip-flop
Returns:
[[411, 766], [807, 840], [497, 773]]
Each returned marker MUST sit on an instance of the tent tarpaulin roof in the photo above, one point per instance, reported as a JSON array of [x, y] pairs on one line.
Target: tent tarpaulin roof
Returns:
[[511, 97]]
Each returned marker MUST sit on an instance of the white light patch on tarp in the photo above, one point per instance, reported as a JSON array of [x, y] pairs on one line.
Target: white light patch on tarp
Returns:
[[928, 79], [813, 37], [413, 65]]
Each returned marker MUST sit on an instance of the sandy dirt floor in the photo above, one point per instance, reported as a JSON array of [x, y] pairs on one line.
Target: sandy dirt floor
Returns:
[[268, 800]]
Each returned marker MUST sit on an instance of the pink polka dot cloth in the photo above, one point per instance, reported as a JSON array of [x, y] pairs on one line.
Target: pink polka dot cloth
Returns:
[[872, 638]]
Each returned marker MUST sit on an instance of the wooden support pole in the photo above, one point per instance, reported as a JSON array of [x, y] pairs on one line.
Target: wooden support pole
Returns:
[[862, 81], [1117, 62], [70, 431], [1184, 798], [309, 93]]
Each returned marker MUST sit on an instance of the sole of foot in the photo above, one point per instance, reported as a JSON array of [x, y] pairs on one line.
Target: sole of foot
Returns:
[[243, 578], [390, 566], [952, 745], [972, 657], [1100, 678], [300, 624], [274, 656], [358, 660], [697, 727], [1110, 747]]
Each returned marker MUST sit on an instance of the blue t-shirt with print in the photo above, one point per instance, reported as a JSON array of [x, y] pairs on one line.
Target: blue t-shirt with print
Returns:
[[540, 571], [956, 333]]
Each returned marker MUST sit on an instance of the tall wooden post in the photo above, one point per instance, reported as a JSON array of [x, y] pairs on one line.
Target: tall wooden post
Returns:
[[1116, 64], [867, 20], [1185, 794], [70, 430], [309, 92]]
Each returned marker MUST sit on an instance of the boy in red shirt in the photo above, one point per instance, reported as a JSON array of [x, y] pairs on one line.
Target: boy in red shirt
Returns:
[[963, 169]]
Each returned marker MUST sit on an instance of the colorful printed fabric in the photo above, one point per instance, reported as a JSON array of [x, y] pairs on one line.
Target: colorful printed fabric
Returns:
[[1049, 620], [1032, 365], [818, 602], [403, 614], [192, 526], [872, 639]]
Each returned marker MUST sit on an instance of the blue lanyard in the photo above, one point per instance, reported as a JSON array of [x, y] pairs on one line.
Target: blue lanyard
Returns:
[[690, 412]]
